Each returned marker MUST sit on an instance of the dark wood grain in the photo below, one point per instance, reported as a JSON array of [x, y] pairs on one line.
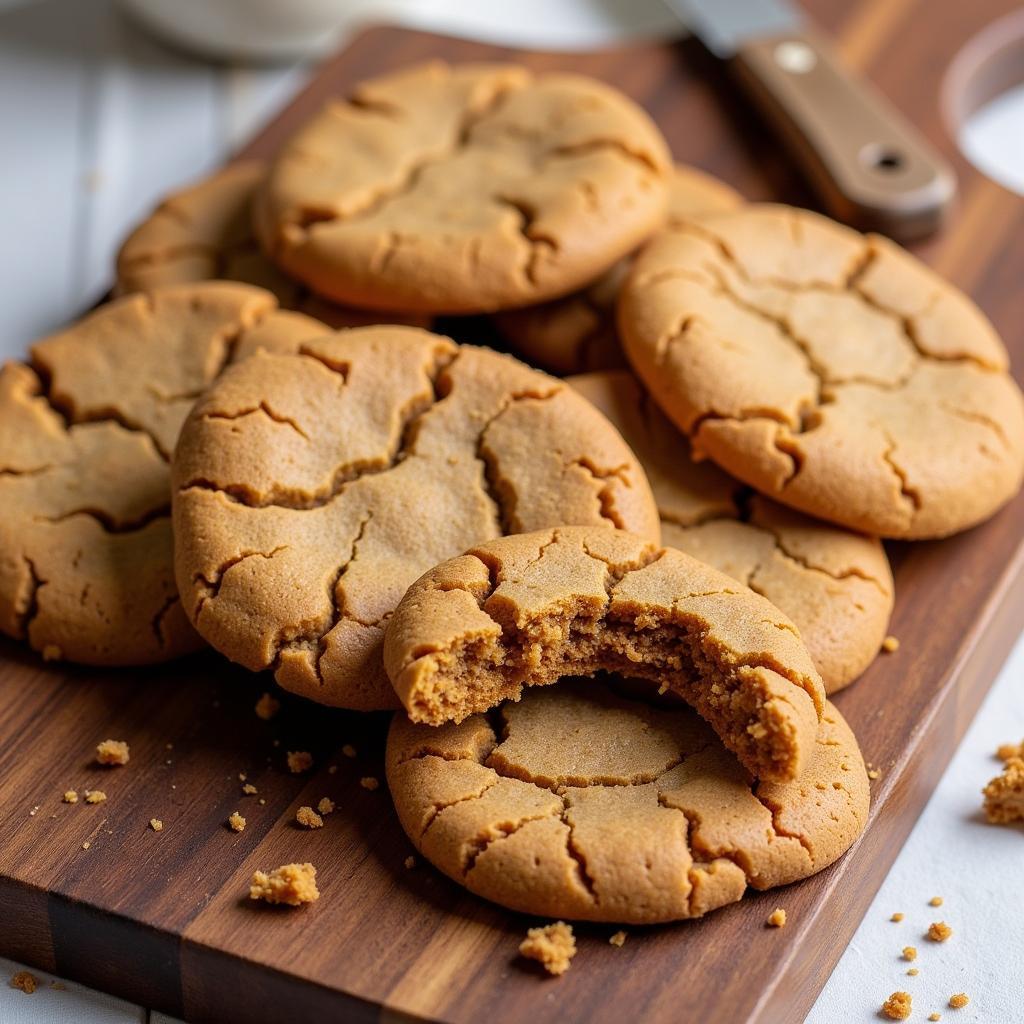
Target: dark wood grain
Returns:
[[163, 919]]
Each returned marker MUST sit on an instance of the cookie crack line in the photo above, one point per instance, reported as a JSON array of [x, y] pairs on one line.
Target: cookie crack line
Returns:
[[308, 217], [482, 843], [109, 523], [336, 610], [538, 243], [211, 586], [438, 806], [110, 414], [576, 855], [606, 494], [162, 612], [495, 486], [781, 832], [910, 495], [346, 473], [264, 408], [848, 573], [31, 602], [851, 285]]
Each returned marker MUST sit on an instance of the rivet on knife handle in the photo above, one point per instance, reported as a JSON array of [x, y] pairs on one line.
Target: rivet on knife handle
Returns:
[[871, 168]]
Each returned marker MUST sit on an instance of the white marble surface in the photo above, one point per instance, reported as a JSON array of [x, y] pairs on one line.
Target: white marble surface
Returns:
[[100, 121]]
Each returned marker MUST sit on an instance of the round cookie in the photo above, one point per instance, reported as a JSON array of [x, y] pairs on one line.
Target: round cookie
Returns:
[[204, 232], [87, 429], [577, 333], [464, 189], [312, 489], [835, 585], [526, 610], [578, 803], [832, 371]]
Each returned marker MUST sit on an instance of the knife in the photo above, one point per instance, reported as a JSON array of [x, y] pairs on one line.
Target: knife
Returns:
[[869, 165]]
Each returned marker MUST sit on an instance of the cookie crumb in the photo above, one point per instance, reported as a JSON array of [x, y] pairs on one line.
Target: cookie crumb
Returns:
[[266, 707], [25, 982], [897, 1006], [939, 931], [873, 772], [913, 972], [348, 750], [369, 782], [553, 946], [299, 761], [242, 777], [935, 901], [777, 918], [934, 1016], [308, 818], [262, 802], [909, 953], [156, 824], [95, 796], [236, 822], [292, 884], [112, 752], [618, 939], [332, 770], [326, 805], [1004, 795], [70, 797], [35, 810], [249, 789], [1008, 751], [86, 845], [51, 652], [58, 986], [890, 644], [897, 917], [410, 862], [959, 1001]]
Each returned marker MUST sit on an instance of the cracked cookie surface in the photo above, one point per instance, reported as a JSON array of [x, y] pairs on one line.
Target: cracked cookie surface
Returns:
[[580, 803], [526, 610], [577, 333], [87, 429], [834, 584], [312, 489], [204, 232], [466, 188], [832, 371]]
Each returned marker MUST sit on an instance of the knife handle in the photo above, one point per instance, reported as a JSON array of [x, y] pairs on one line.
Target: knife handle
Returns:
[[870, 167]]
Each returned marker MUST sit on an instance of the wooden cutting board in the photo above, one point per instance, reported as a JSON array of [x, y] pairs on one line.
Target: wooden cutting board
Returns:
[[162, 918]]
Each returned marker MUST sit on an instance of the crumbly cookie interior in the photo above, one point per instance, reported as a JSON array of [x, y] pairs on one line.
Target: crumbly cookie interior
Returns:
[[756, 702]]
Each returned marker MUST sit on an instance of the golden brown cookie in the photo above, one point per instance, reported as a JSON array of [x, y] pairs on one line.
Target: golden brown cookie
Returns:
[[86, 434], [832, 371], [525, 610], [464, 189], [835, 585], [577, 333], [312, 489], [205, 232], [579, 803]]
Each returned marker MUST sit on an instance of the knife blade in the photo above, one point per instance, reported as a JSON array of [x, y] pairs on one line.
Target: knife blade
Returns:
[[870, 167]]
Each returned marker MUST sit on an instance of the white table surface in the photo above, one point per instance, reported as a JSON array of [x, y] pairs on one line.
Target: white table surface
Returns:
[[99, 121]]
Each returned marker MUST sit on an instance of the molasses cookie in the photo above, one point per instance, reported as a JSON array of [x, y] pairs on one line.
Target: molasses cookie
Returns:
[[579, 803], [828, 369], [526, 610], [311, 490], [464, 189], [87, 429], [577, 334], [835, 585], [204, 232]]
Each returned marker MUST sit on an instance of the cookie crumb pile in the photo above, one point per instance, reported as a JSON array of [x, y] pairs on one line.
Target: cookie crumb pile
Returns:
[[290, 884], [24, 981], [898, 1006], [112, 752], [553, 946]]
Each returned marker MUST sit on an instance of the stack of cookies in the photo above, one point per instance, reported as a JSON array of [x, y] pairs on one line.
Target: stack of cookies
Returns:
[[609, 609]]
